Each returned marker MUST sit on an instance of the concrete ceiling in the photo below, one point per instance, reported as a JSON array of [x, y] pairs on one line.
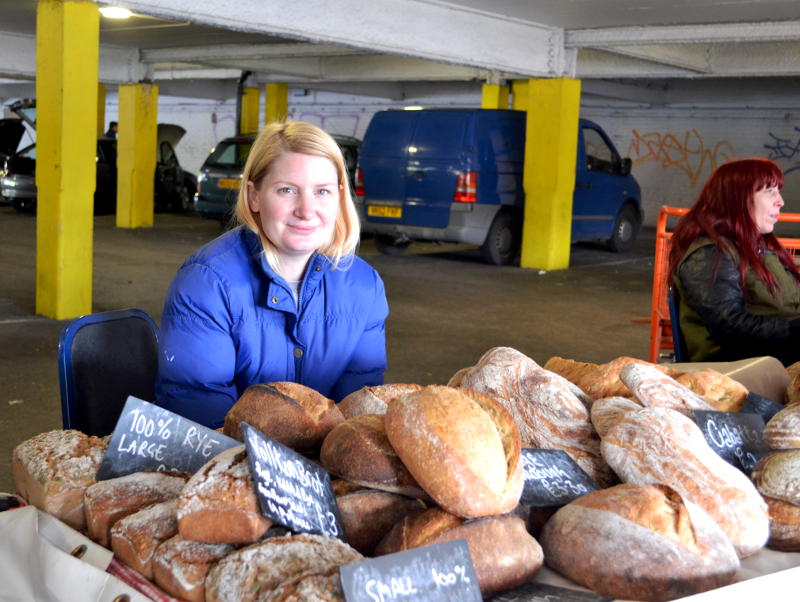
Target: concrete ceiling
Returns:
[[642, 51]]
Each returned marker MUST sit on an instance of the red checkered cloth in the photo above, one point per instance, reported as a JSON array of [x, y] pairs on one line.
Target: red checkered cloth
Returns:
[[134, 578]]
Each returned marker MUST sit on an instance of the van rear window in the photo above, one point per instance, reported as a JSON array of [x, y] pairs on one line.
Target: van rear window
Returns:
[[229, 154], [440, 135]]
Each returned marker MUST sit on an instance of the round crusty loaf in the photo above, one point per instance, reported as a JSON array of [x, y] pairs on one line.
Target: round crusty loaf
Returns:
[[251, 573], [106, 502], [180, 567], [373, 400], [784, 525], [134, 539], [358, 451], [318, 587], [662, 446], [777, 475], [219, 503], [638, 543], [783, 429], [292, 414], [462, 447], [52, 471], [503, 553]]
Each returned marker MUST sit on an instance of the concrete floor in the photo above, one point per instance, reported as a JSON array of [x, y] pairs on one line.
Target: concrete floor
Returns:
[[446, 308]]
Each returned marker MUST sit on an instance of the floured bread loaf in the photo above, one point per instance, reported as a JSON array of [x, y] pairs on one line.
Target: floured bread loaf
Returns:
[[373, 400], [106, 502], [251, 573], [784, 525], [503, 553], [369, 514], [544, 405], [462, 447], [638, 542], [655, 389], [607, 411], [290, 413], [721, 391], [318, 587], [134, 539], [662, 446], [52, 470], [180, 567], [219, 503], [783, 429], [777, 478], [793, 388], [358, 451]]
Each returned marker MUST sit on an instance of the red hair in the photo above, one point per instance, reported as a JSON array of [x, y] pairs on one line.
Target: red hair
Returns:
[[724, 210]]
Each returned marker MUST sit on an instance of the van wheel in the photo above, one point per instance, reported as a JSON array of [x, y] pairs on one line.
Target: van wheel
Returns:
[[626, 228], [502, 240], [389, 245]]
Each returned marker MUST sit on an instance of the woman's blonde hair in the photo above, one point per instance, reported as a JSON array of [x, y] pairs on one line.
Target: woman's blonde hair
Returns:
[[299, 137]]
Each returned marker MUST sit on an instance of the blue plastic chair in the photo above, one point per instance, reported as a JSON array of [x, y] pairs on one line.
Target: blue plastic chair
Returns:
[[102, 359], [678, 342]]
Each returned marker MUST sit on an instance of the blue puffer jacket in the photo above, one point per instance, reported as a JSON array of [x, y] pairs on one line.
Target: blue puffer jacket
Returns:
[[230, 321]]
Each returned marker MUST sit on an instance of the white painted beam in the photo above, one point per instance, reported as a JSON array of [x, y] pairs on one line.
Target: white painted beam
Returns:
[[691, 58], [238, 52], [626, 92]]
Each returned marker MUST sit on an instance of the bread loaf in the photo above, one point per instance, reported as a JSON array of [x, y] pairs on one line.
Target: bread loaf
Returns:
[[638, 543], [793, 388], [318, 587], [777, 475], [105, 502], [373, 400], [784, 525], [544, 405], [369, 514], [661, 446], [783, 429], [358, 451], [219, 503], [180, 567], [503, 553], [653, 388], [252, 573], [52, 471], [721, 391], [134, 539], [291, 413], [462, 447], [607, 411]]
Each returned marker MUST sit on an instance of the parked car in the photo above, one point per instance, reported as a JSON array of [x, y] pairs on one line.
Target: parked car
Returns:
[[11, 132], [221, 174], [173, 187], [455, 175]]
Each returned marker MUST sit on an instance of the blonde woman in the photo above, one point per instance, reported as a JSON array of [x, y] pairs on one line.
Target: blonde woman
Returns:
[[281, 297]]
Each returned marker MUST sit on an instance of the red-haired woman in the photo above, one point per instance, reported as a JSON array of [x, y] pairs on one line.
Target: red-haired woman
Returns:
[[739, 288]]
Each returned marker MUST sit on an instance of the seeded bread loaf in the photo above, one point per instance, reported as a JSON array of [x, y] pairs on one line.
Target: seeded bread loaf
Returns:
[[373, 400], [219, 503], [180, 567], [52, 471], [134, 539], [721, 391]]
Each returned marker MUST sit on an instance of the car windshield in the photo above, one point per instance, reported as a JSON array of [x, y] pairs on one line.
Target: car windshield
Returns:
[[230, 153]]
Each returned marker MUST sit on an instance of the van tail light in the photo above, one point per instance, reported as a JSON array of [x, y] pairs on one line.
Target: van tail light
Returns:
[[360, 182], [466, 187]]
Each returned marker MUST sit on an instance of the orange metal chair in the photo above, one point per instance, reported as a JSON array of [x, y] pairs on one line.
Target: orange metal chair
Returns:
[[661, 344]]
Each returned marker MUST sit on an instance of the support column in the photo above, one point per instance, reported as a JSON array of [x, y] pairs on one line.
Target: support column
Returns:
[[248, 124], [67, 48], [519, 95], [277, 102], [551, 145], [494, 96], [101, 110], [136, 154]]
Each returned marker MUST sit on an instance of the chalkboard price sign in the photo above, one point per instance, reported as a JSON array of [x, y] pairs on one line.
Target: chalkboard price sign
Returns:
[[756, 404], [149, 438], [735, 436], [292, 490], [439, 572], [541, 592], [552, 478]]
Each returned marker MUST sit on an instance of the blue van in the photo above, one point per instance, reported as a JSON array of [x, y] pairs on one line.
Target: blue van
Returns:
[[455, 175]]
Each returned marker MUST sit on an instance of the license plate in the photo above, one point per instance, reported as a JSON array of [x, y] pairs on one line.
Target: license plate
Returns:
[[384, 211], [228, 183]]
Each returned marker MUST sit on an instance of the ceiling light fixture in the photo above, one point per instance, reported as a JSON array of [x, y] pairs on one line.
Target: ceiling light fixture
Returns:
[[115, 12]]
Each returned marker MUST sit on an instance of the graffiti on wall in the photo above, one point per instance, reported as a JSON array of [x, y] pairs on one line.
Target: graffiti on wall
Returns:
[[688, 153], [785, 148]]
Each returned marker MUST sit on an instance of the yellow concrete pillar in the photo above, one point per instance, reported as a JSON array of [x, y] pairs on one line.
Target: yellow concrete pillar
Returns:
[[551, 145], [136, 154], [248, 120], [519, 95], [67, 47], [494, 96], [277, 102], [101, 110]]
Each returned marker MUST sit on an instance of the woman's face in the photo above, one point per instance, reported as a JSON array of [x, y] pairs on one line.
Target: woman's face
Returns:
[[767, 204], [297, 203]]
